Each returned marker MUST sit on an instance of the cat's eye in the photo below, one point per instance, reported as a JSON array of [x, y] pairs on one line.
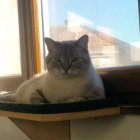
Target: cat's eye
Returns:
[[77, 59]]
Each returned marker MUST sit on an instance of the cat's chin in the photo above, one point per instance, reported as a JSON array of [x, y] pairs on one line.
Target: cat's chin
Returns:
[[60, 73], [63, 74], [69, 73]]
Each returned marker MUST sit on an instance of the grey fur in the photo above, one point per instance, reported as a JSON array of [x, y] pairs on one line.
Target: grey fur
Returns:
[[70, 76]]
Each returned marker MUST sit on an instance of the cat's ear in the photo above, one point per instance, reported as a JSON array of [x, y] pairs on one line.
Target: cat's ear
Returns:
[[50, 43], [83, 41]]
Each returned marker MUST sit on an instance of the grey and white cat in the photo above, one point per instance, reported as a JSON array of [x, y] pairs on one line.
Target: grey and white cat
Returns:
[[70, 76]]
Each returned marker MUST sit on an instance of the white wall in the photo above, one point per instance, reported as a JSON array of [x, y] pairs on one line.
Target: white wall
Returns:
[[107, 128], [8, 131], [120, 127]]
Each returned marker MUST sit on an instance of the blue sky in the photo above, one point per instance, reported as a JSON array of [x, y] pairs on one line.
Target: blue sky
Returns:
[[118, 18]]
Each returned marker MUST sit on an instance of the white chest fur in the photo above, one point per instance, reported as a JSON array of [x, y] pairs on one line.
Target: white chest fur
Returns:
[[56, 89]]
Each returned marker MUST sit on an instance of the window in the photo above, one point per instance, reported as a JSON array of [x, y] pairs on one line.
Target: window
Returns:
[[19, 41], [112, 26], [10, 67], [114, 40], [9, 38]]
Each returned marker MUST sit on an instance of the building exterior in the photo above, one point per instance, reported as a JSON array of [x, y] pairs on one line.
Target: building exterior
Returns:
[[105, 50]]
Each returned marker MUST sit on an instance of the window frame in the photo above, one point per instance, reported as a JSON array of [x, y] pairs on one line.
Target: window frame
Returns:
[[122, 82], [29, 37]]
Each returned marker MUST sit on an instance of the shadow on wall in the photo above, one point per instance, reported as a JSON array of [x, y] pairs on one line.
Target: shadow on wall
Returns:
[[116, 127]]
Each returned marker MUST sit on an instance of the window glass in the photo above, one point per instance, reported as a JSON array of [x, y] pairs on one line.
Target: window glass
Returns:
[[9, 38], [112, 26]]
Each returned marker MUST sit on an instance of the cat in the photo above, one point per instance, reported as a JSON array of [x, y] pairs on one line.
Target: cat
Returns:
[[70, 76]]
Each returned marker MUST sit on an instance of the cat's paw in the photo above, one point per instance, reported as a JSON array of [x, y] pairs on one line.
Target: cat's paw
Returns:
[[37, 97]]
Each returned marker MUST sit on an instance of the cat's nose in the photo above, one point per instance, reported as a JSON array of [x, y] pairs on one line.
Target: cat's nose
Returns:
[[66, 67]]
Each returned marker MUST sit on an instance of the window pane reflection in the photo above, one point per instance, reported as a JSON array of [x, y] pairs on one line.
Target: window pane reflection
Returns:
[[112, 26]]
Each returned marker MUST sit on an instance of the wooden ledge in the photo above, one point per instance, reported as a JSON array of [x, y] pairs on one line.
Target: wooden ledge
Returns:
[[60, 112], [52, 121], [62, 116], [130, 109]]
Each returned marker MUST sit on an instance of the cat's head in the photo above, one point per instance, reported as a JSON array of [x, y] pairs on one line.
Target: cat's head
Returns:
[[67, 58]]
